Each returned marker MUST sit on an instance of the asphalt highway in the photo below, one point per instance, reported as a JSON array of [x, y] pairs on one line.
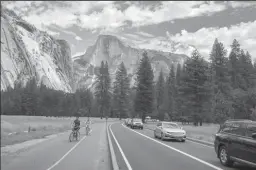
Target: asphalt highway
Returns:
[[139, 150], [134, 150]]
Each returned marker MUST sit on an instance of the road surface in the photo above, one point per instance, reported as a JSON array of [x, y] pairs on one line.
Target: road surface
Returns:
[[134, 149], [90, 153], [141, 151]]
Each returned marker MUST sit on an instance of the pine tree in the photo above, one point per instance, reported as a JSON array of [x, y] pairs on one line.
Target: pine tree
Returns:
[[121, 91], [242, 70], [29, 100], [178, 84], [233, 63], [220, 82], [178, 74], [195, 90], [115, 98], [107, 86], [254, 72], [165, 106], [99, 89], [171, 82], [183, 109], [144, 91], [160, 87], [245, 69]]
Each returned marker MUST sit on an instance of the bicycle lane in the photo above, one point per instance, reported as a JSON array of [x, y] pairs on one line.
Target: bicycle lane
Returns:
[[92, 153], [46, 154]]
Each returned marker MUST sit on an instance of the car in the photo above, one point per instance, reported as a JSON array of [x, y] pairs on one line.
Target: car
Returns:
[[236, 142], [169, 130], [136, 123], [126, 121], [129, 122]]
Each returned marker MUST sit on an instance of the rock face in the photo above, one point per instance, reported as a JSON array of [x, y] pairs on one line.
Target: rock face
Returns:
[[109, 48], [27, 52]]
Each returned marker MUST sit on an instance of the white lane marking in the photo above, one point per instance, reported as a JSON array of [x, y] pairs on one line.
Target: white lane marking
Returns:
[[112, 152], [56, 163], [191, 141], [120, 149], [186, 154]]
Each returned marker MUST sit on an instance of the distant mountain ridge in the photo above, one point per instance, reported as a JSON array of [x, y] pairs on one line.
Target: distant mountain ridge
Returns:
[[111, 49], [27, 52]]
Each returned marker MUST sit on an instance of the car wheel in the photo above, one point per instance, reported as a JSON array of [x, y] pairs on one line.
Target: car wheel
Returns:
[[155, 135], [142, 128], [162, 136], [224, 157], [183, 140]]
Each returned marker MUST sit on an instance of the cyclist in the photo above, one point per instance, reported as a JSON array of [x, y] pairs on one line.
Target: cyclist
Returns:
[[76, 124], [87, 125]]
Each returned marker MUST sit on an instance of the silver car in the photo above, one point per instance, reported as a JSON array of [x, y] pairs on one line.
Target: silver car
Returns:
[[169, 130], [136, 123]]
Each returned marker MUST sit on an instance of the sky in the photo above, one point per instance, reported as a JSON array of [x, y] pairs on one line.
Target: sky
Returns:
[[156, 25]]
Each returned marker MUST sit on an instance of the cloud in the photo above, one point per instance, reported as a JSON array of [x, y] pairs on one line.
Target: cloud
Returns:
[[166, 45], [53, 33], [145, 34], [68, 13], [78, 38], [63, 14], [203, 38], [171, 10], [66, 32], [134, 36], [243, 4], [78, 54]]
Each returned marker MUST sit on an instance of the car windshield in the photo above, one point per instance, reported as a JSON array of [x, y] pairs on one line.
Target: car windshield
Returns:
[[137, 120], [170, 125]]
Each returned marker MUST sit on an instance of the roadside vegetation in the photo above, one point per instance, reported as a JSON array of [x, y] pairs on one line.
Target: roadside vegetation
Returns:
[[17, 129]]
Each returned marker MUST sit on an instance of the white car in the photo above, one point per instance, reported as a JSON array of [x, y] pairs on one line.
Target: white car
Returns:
[[169, 130]]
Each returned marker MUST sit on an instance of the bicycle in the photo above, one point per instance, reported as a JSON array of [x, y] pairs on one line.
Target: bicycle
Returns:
[[75, 134]]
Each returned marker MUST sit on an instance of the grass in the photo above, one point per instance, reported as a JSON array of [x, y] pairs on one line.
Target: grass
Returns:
[[40, 127], [205, 132]]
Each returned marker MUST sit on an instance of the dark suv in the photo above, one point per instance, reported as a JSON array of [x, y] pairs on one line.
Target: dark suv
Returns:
[[236, 142]]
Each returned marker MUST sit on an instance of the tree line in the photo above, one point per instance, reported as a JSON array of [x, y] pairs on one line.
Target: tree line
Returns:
[[34, 100], [198, 90], [209, 91]]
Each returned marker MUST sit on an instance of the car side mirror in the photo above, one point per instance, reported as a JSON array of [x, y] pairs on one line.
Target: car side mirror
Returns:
[[254, 135]]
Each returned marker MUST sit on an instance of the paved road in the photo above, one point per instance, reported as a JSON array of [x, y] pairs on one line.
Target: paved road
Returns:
[[142, 152], [90, 153]]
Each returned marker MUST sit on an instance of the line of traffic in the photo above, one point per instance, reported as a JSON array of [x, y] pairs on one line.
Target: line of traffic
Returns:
[[179, 151]]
